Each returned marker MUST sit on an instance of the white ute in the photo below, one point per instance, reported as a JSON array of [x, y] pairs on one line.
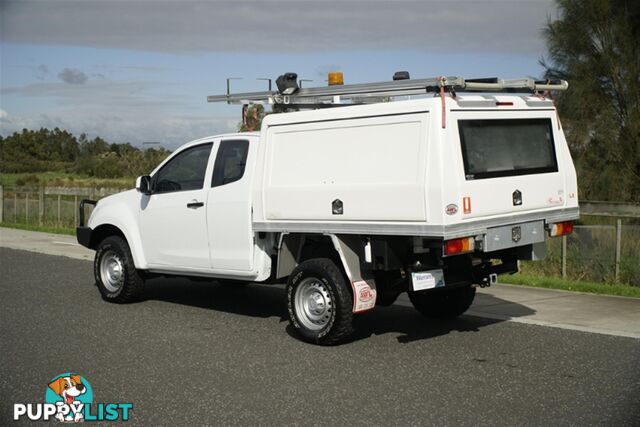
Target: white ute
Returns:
[[431, 187]]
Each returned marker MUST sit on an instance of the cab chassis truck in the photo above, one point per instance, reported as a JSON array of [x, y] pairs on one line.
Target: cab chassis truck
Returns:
[[352, 196]]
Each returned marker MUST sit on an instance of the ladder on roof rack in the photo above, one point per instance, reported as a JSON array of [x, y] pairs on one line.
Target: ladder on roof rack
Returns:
[[356, 93]]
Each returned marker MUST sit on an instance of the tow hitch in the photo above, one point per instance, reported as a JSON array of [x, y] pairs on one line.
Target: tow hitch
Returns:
[[487, 281]]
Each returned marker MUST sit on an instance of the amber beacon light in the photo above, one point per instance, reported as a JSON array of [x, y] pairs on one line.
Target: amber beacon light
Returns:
[[336, 78]]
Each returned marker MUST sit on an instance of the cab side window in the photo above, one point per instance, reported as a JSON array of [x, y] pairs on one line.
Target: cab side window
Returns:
[[230, 162], [184, 172]]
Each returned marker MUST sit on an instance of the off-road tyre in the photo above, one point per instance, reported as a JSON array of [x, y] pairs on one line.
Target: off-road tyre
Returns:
[[320, 277], [132, 282], [443, 303]]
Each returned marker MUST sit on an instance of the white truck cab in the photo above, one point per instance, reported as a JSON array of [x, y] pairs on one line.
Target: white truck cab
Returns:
[[353, 204]]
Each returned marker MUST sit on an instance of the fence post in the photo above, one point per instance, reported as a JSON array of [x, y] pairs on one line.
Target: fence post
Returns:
[[1, 203], [59, 220], [618, 248], [41, 205], [75, 210], [26, 205], [15, 205], [564, 257]]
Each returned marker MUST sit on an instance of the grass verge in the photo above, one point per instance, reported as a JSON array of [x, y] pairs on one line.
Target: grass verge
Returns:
[[42, 228], [572, 285]]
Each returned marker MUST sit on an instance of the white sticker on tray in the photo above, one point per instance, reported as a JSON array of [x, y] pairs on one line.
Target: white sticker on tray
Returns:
[[364, 296]]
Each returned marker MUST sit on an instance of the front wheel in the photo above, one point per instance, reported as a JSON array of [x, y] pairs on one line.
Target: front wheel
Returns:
[[444, 303], [319, 302], [115, 273]]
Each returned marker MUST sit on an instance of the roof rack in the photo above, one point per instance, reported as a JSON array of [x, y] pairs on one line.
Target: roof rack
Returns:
[[376, 92]]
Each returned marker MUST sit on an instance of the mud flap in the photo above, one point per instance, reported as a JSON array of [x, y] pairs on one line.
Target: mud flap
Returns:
[[351, 250], [364, 295]]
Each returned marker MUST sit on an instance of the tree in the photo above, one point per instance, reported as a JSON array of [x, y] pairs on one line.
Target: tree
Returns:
[[58, 150], [595, 45]]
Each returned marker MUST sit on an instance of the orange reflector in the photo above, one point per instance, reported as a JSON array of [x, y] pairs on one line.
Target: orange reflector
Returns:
[[466, 205], [336, 78], [459, 246], [561, 229]]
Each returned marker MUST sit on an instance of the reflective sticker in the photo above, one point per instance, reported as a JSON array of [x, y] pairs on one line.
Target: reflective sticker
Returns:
[[364, 296]]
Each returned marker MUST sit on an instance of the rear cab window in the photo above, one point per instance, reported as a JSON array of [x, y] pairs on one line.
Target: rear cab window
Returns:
[[231, 161], [507, 147]]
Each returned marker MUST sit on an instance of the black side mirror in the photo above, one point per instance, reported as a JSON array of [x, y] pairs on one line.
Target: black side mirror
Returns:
[[143, 184]]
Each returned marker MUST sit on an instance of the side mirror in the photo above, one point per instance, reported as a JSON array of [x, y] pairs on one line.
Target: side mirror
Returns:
[[143, 184]]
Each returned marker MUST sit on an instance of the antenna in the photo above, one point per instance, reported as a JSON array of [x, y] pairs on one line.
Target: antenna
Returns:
[[303, 80], [229, 84], [267, 79]]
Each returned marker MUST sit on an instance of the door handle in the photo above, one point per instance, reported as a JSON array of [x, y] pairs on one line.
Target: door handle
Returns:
[[194, 204]]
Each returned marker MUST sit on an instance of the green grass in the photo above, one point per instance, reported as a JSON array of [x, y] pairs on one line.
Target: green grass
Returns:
[[572, 285], [42, 228], [63, 179]]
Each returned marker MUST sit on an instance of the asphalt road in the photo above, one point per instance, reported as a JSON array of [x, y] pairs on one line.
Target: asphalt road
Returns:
[[198, 353]]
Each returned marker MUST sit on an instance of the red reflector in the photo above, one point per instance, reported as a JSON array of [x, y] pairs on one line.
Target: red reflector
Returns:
[[504, 104], [567, 227]]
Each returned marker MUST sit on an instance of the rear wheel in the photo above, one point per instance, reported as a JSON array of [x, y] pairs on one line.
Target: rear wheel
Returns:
[[443, 304], [319, 302], [115, 273]]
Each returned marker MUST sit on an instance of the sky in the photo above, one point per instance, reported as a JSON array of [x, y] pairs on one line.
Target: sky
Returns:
[[139, 71]]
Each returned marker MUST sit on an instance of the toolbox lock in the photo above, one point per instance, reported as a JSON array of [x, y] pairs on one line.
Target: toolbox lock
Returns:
[[337, 207]]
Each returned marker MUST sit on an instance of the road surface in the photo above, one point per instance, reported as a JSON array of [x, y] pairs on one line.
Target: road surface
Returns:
[[198, 353]]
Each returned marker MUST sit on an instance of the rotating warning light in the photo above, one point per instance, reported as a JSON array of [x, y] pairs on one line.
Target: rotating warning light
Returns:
[[336, 78]]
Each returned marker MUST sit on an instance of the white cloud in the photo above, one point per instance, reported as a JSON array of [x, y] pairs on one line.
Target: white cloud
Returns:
[[281, 26], [99, 92], [3, 114], [169, 131], [119, 111]]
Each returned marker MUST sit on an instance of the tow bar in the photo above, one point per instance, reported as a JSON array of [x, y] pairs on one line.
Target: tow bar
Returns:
[[492, 279]]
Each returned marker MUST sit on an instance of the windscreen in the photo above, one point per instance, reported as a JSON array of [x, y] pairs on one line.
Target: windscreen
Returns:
[[504, 147]]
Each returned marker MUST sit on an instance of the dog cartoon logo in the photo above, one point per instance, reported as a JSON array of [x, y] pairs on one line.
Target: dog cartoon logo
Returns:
[[70, 393]]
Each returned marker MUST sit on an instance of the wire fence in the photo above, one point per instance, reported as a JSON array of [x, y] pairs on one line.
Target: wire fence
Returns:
[[589, 253], [55, 207], [600, 252]]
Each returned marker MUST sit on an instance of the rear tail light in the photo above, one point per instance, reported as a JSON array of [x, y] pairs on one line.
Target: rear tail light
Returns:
[[560, 228], [459, 246]]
